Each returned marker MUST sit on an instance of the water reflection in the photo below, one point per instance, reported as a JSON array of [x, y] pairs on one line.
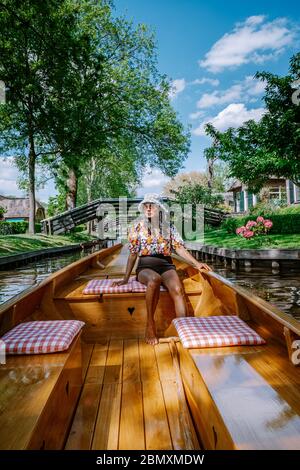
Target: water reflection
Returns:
[[282, 290], [30, 375], [14, 281]]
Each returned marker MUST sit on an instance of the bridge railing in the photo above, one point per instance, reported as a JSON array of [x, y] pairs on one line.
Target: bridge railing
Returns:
[[68, 220]]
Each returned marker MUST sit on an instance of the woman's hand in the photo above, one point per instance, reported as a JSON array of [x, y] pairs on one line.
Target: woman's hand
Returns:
[[120, 283], [183, 253], [202, 266]]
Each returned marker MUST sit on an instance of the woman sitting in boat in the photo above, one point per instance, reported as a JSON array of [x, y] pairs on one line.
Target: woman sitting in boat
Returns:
[[153, 241]]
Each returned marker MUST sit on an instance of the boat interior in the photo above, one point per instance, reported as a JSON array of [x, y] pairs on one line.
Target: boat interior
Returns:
[[111, 390]]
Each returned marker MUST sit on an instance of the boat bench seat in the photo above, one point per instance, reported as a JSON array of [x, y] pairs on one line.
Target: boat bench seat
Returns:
[[117, 315], [243, 397], [38, 395], [75, 291]]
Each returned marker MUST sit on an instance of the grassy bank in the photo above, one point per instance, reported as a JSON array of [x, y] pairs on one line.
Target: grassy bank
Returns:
[[15, 244], [222, 238]]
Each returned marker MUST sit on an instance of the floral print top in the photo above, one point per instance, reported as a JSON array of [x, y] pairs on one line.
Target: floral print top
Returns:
[[146, 242]]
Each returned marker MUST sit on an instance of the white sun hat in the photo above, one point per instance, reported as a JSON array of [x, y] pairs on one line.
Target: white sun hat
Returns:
[[152, 198]]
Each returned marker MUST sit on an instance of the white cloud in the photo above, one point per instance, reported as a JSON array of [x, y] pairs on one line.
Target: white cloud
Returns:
[[234, 115], [254, 20], [153, 181], [196, 115], [253, 87], [9, 175], [242, 91], [177, 87], [208, 100], [202, 81], [8, 178], [255, 40]]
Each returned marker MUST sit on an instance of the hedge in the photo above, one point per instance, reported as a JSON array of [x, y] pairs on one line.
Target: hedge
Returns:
[[282, 223], [15, 228]]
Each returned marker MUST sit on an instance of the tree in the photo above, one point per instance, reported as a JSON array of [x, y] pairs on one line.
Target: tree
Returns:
[[31, 45], [197, 194], [211, 156], [222, 180], [123, 101], [56, 205], [2, 212], [119, 175], [182, 179], [270, 147], [20, 116], [81, 82]]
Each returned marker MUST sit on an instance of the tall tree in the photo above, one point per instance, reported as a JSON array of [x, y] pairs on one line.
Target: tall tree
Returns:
[[21, 49], [184, 179], [270, 147], [118, 175], [113, 96], [32, 47], [211, 157], [83, 82]]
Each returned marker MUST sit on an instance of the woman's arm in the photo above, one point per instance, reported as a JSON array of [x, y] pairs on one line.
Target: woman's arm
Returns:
[[129, 266], [181, 251]]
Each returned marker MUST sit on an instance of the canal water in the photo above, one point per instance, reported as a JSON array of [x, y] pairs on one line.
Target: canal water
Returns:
[[16, 280], [282, 290]]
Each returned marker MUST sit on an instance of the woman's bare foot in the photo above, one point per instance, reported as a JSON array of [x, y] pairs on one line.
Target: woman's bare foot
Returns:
[[150, 335]]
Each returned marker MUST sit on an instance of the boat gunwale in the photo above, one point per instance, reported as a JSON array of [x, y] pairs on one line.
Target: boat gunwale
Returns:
[[266, 307], [30, 290]]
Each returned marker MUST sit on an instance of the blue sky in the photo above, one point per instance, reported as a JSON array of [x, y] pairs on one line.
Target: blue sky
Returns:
[[211, 50]]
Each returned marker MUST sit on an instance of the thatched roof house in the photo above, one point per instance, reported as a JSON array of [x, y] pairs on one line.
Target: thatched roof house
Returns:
[[17, 208]]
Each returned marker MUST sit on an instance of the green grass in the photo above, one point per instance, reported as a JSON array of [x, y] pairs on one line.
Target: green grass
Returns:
[[15, 244], [222, 238]]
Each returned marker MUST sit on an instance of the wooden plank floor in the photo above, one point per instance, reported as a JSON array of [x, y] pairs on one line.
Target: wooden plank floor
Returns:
[[129, 399]]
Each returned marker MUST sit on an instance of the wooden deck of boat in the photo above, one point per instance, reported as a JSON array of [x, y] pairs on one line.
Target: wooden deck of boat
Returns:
[[129, 399], [132, 397]]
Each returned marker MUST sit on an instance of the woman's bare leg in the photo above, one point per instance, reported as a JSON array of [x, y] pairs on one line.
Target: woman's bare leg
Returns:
[[172, 282], [153, 281]]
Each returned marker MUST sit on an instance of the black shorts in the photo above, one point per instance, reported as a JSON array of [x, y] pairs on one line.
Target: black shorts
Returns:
[[158, 263]]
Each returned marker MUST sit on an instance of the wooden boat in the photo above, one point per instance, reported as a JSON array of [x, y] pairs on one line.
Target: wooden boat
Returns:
[[111, 390]]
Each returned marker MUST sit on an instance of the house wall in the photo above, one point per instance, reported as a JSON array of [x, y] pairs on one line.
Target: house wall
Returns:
[[18, 209], [283, 190]]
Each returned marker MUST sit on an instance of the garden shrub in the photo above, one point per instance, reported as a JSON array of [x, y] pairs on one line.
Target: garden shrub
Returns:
[[16, 228], [283, 223]]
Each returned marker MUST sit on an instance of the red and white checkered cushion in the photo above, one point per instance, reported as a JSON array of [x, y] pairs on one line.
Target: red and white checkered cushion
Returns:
[[215, 331], [41, 337], [104, 286]]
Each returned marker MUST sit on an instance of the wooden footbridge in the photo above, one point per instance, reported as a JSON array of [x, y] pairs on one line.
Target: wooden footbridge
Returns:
[[121, 210]]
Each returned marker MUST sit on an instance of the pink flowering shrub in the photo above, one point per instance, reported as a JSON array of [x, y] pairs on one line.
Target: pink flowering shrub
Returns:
[[260, 226]]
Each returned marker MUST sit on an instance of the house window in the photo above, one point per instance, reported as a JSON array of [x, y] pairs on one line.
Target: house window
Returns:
[[277, 192], [15, 219], [237, 201]]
